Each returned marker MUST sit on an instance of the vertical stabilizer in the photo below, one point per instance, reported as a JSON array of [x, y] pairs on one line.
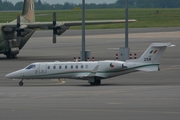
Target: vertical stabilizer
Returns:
[[153, 53], [149, 61], [28, 10]]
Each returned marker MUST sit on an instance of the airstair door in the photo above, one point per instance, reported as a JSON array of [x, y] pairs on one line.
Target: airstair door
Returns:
[[42, 68]]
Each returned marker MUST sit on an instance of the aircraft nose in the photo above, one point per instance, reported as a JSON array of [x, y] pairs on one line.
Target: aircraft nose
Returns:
[[16, 74], [10, 75]]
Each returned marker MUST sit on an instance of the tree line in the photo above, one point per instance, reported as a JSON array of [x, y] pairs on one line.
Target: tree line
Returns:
[[40, 5]]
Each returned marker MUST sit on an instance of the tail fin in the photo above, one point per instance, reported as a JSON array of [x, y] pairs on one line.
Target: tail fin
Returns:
[[149, 61], [28, 11], [153, 53]]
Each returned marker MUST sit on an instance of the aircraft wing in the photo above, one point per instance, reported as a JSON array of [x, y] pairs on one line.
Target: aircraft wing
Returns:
[[92, 74], [57, 27], [77, 23], [49, 25]]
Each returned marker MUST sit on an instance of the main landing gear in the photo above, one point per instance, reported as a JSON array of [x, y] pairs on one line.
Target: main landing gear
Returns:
[[96, 82], [9, 56], [21, 83], [12, 53]]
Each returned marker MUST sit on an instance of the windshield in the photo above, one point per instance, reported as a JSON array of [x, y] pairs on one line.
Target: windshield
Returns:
[[31, 67]]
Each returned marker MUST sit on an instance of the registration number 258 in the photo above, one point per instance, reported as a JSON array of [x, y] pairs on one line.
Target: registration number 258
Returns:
[[147, 59]]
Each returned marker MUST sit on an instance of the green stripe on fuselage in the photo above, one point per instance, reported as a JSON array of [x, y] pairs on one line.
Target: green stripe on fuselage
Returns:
[[88, 72]]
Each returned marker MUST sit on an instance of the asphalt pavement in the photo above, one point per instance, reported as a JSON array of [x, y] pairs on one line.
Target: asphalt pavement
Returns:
[[137, 96]]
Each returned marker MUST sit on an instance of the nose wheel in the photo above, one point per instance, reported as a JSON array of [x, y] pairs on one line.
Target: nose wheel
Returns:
[[20, 83]]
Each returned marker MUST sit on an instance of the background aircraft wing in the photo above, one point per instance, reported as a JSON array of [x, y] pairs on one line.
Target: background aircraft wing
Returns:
[[49, 25], [57, 27], [77, 23]]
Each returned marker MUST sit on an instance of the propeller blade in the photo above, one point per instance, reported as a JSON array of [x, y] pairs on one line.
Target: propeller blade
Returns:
[[18, 26], [18, 21], [18, 31], [54, 19], [54, 38], [54, 28]]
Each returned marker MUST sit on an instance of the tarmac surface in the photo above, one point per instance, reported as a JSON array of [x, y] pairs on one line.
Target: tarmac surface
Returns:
[[137, 96]]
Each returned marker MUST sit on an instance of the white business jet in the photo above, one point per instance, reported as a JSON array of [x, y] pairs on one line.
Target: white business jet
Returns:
[[92, 71]]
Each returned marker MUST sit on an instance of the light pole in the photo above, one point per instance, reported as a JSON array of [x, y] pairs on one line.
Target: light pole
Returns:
[[126, 33], [83, 31], [124, 51]]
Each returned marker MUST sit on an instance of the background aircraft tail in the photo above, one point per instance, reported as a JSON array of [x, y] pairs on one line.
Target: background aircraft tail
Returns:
[[28, 11], [149, 61]]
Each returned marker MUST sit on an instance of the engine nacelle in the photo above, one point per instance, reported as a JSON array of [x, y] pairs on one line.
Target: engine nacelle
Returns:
[[124, 65], [62, 29]]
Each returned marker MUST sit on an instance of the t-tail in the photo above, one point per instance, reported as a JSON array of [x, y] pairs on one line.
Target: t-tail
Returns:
[[149, 61], [28, 14]]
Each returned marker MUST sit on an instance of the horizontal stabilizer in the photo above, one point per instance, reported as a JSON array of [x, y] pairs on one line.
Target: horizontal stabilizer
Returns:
[[162, 45], [149, 68]]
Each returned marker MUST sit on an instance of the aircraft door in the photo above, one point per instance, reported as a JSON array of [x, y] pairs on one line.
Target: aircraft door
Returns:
[[42, 68]]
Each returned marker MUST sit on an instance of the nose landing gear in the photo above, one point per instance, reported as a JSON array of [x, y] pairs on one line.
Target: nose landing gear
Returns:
[[21, 83]]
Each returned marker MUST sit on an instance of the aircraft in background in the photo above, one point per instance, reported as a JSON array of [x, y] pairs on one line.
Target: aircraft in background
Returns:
[[93, 71], [14, 35]]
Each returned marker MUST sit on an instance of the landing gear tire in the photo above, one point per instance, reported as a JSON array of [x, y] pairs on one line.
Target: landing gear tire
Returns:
[[98, 82], [14, 56], [92, 83], [20, 83], [9, 56]]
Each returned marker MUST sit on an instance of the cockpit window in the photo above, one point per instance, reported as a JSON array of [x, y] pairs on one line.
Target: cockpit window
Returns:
[[31, 67]]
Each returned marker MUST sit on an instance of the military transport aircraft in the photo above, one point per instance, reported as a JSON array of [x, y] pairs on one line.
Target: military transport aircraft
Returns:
[[92, 71], [14, 35]]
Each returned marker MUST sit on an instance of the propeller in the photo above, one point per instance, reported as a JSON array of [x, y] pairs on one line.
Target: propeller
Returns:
[[54, 28], [18, 31]]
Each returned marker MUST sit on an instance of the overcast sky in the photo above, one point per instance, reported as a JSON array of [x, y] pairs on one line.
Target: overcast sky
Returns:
[[70, 1]]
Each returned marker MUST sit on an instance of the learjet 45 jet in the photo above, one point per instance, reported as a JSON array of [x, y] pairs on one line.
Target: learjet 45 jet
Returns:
[[92, 71]]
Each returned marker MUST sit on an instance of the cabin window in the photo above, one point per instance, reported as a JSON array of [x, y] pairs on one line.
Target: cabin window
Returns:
[[76, 66], [86, 66], [66, 67], [48, 67], [31, 67], [59, 67], [71, 66], [82, 66], [54, 67]]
